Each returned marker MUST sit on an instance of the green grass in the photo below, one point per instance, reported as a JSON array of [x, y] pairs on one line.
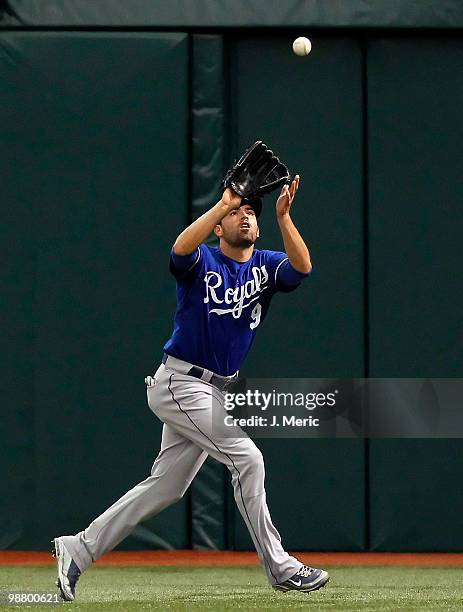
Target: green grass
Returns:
[[244, 588]]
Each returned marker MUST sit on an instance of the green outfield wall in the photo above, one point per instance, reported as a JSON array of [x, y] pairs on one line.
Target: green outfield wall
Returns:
[[111, 141], [235, 13]]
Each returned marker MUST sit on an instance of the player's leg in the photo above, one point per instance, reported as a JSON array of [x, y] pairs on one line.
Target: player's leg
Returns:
[[173, 470], [246, 465], [192, 404]]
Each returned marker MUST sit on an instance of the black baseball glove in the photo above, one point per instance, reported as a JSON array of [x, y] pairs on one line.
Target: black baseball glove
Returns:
[[257, 172]]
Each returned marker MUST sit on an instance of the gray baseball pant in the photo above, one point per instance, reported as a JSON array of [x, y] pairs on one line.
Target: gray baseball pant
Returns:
[[185, 404]]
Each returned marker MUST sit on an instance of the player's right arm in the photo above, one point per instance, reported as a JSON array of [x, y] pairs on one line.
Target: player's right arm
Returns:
[[196, 233]]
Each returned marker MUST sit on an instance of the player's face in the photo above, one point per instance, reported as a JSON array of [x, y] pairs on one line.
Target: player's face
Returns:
[[239, 228]]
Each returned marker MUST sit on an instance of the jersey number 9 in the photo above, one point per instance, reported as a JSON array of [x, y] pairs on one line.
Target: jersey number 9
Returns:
[[255, 316]]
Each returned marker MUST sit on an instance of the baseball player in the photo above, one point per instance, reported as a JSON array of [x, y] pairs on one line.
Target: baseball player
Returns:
[[223, 294]]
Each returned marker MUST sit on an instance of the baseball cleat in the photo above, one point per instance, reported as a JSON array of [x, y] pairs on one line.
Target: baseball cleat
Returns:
[[68, 572], [305, 580]]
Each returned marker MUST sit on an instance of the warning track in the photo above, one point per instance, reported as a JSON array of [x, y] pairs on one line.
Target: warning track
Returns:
[[231, 558]]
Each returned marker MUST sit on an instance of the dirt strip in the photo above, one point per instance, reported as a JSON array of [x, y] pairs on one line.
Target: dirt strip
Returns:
[[224, 558]]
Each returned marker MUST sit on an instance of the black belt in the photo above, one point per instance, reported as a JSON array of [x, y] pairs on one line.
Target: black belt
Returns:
[[218, 381]]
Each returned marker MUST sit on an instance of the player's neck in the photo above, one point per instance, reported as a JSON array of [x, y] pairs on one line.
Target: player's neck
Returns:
[[240, 254]]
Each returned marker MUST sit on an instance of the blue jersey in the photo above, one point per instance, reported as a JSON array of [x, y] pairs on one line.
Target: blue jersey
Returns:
[[221, 303]]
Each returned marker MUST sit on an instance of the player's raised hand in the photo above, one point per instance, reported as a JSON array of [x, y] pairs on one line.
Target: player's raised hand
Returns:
[[231, 199], [286, 197]]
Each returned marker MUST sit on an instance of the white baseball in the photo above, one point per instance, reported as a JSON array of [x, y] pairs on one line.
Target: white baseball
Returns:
[[302, 46]]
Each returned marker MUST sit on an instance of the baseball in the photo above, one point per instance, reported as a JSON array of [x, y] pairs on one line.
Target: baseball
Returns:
[[302, 46]]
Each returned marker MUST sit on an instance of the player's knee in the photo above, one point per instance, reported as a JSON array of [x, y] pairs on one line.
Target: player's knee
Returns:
[[255, 464], [257, 457], [173, 497], [248, 475], [162, 488], [176, 497]]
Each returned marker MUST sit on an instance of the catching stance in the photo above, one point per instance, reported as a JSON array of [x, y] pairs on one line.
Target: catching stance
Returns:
[[223, 294]]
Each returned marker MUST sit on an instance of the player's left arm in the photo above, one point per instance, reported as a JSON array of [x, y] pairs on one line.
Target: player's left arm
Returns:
[[295, 247]]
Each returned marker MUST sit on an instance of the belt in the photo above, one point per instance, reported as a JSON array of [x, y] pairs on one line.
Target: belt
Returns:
[[192, 370]]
